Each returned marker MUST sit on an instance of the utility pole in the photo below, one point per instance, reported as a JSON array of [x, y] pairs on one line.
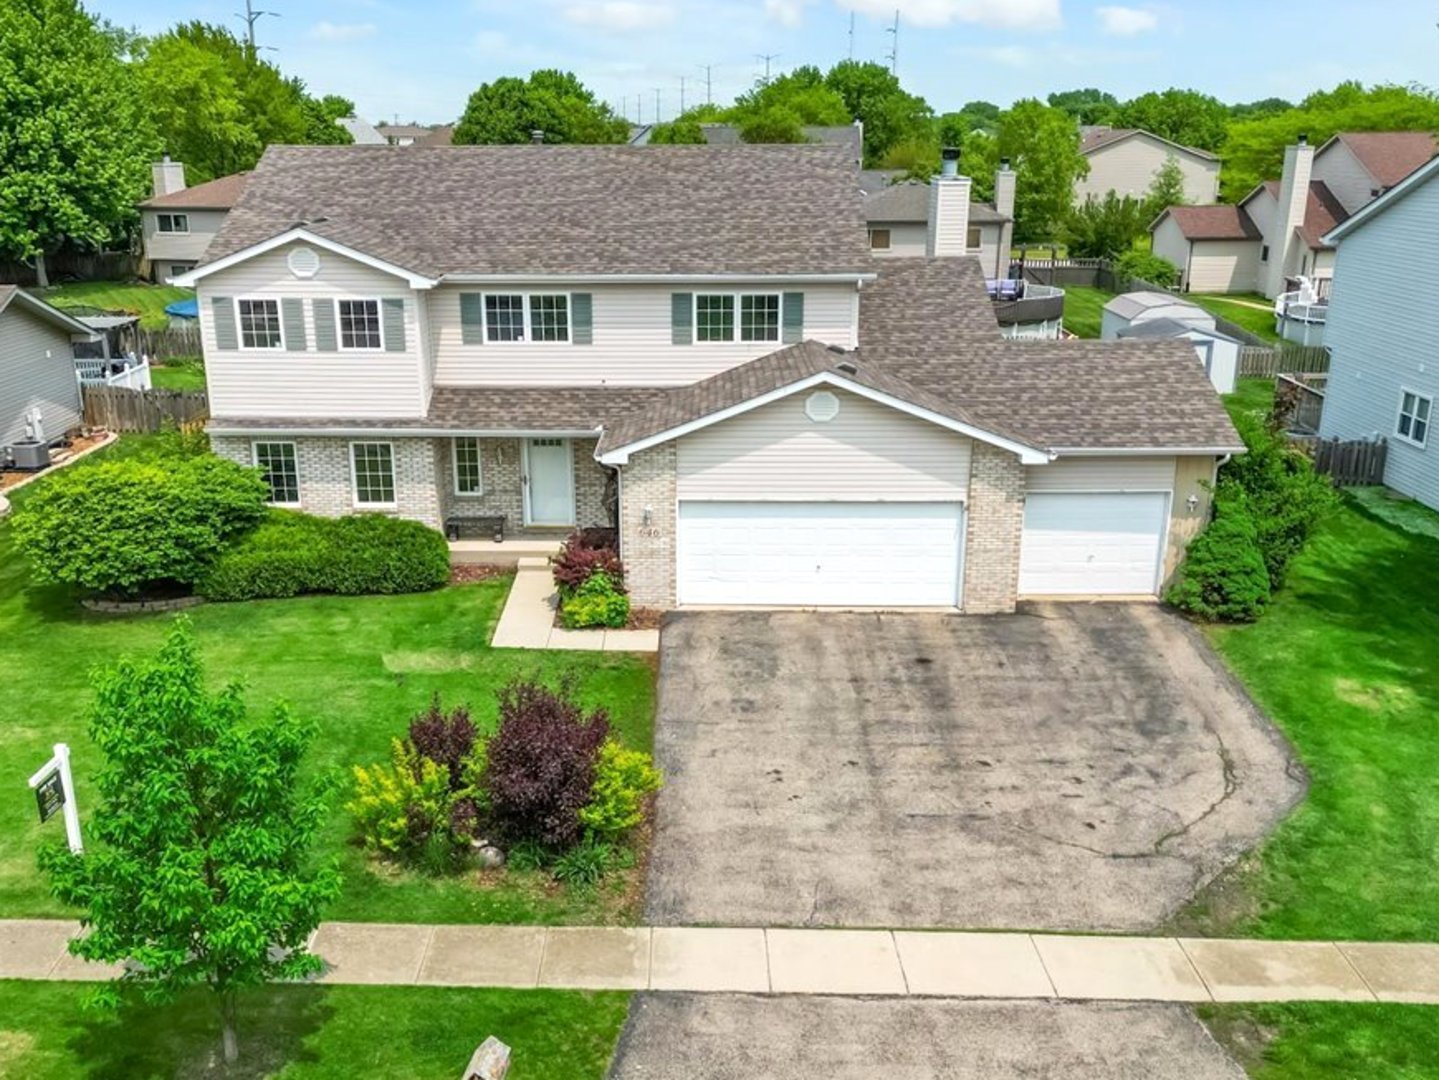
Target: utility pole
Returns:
[[682, 95], [894, 44], [658, 118], [851, 35], [766, 57], [250, 18], [708, 69]]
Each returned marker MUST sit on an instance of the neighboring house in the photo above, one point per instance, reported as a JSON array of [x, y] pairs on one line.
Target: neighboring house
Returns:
[[1275, 235], [402, 134], [177, 222], [771, 415], [902, 220], [1384, 374], [439, 135], [1126, 161], [362, 132], [39, 393]]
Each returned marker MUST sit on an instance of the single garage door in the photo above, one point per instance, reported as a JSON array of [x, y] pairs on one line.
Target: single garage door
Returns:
[[1092, 544], [820, 554]]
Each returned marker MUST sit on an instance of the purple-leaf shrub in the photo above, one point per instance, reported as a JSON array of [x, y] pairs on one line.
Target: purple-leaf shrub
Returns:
[[577, 562], [445, 738]]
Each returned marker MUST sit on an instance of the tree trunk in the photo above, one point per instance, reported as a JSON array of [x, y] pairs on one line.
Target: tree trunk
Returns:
[[42, 279], [227, 1028]]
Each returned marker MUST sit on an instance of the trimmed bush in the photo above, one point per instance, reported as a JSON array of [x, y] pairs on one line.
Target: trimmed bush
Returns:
[[122, 526], [447, 739], [623, 780], [586, 553], [1146, 266], [1223, 577], [399, 808], [597, 602], [541, 764], [292, 554]]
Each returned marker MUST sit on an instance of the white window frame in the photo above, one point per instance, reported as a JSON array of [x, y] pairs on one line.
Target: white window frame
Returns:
[[355, 477], [295, 452], [340, 326], [1427, 420], [240, 324], [737, 337], [176, 220], [527, 315], [455, 467]]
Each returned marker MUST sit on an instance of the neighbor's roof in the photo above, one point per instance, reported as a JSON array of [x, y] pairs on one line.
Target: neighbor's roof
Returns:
[[872, 180], [1322, 211], [1415, 181], [402, 131], [440, 135], [1388, 156], [1097, 137], [219, 194], [909, 202], [20, 298], [563, 209], [850, 136], [1167, 327], [1130, 304], [1212, 222]]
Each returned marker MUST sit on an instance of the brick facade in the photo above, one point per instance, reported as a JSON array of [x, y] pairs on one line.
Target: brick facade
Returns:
[[994, 522], [648, 550]]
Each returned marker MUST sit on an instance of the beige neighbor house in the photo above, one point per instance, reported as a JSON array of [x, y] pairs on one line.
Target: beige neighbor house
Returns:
[[177, 222], [39, 393], [695, 344], [1126, 160], [1275, 235]]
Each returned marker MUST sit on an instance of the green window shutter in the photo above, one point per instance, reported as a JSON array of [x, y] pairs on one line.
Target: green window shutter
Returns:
[[682, 318], [582, 318], [393, 318], [222, 313], [292, 321], [793, 317], [472, 318], [324, 313]]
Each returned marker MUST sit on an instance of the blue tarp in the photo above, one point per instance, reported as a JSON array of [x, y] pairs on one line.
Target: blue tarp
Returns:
[[184, 309]]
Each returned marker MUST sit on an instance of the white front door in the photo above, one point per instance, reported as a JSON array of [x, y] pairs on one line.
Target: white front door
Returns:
[[1094, 544], [549, 482]]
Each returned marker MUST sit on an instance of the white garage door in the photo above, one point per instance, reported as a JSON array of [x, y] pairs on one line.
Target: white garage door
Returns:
[[820, 554], [1092, 544]]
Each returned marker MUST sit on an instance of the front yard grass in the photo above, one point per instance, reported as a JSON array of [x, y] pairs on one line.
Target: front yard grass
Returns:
[[136, 297], [1328, 1041], [1084, 309], [361, 667], [309, 1033]]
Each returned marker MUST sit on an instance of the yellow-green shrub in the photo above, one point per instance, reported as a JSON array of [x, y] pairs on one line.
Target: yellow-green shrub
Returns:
[[397, 807], [623, 779]]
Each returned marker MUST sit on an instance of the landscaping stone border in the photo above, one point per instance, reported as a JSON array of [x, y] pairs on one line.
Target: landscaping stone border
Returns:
[[131, 607]]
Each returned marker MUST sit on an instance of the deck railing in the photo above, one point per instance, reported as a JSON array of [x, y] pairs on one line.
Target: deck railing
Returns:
[[100, 372]]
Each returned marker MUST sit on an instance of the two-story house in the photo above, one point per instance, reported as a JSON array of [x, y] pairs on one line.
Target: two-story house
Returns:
[[695, 344], [1127, 160], [178, 222]]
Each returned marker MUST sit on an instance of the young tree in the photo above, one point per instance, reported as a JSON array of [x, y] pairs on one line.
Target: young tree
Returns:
[[1042, 143], [1186, 117], [509, 110], [75, 144], [1167, 188], [1104, 228], [199, 867]]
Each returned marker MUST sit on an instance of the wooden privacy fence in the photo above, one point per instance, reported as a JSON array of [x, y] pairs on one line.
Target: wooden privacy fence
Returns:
[[169, 342], [1358, 462], [115, 408], [1270, 361]]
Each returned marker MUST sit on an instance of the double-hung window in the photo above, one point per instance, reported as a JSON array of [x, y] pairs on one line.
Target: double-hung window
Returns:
[[527, 317], [737, 317], [276, 460], [259, 323], [373, 467], [468, 480], [173, 223], [1413, 423], [359, 324]]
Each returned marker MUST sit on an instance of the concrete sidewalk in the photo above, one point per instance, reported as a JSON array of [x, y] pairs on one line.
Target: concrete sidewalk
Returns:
[[950, 964], [528, 619]]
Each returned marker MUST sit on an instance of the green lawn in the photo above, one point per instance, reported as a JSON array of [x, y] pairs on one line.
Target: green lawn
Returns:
[[136, 297], [178, 375], [360, 666], [1252, 395], [1255, 320], [1328, 1041], [309, 1033], [1083, 309]]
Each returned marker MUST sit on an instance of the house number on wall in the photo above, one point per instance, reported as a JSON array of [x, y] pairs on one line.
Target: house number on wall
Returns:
[[650, 532]]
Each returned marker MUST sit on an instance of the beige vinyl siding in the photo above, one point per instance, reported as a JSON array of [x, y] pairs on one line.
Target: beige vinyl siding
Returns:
[[1224, 266], [1192, 476], [280, 383], [1169, 242], [37, 368], [949, 214], [906, 239], [633, 343], [179, 247], [867, 452], [1349, 181], [1128, 167], [1101, 474]]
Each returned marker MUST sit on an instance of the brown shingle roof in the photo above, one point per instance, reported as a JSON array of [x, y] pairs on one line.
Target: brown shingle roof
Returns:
[[1390, 156], [1322, 211], [564, 209], [1098, 137], [848, 136], [219, 194], [1214, 222]]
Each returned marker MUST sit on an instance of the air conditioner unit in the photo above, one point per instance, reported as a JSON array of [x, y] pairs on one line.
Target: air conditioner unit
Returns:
[[30, 456]]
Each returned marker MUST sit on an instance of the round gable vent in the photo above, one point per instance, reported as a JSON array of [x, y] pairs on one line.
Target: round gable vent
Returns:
[[303, 262], [821, 406]]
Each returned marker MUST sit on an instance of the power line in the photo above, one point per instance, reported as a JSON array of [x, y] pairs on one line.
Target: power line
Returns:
[[657, 105], [682, 95], [767, 57], [851, 35], [250, 18], [894, 44]]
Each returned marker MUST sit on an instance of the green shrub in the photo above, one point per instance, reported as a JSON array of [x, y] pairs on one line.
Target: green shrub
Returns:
[[1146, 266], [1223, 576], [623, 780], [121, 526], [583, 865], [292, 554], [597, 602], [400, 808]]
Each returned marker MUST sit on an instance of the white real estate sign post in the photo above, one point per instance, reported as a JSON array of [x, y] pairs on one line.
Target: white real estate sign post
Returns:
[[54, 789]]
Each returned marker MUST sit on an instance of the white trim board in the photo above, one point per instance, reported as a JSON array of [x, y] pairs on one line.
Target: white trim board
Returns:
[[414, 280]]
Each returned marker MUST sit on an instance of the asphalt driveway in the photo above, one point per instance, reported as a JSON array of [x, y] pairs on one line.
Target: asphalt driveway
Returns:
[[1072, 767]]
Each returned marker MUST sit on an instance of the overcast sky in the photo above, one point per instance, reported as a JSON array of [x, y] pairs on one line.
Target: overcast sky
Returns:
[[420, 59]]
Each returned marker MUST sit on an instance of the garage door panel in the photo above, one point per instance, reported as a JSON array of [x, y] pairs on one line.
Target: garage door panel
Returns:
[[1092, 544], [819, 554]]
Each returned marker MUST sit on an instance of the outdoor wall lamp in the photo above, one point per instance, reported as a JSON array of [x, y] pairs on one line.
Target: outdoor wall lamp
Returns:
[[1192, 502], [649, 516]]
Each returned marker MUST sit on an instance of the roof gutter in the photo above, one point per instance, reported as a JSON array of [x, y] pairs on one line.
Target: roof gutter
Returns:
[[601, 278], [230, 427], [1145, 451]]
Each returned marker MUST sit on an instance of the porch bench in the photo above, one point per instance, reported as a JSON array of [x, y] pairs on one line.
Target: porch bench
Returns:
[[484, 524]]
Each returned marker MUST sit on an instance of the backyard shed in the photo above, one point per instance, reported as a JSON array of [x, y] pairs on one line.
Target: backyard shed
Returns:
[[1138, 307], [1219, 353]]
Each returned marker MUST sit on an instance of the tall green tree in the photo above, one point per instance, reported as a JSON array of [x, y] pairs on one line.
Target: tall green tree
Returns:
[[1186, 117], [321, 115], [75, 144], [199, 865], [801, 93], [1042, 145], [509, 109], [890, 114], [1087, 106]]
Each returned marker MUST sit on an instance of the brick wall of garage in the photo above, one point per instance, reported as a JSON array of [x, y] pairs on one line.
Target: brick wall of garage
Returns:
[[648, 550], [994, 522]]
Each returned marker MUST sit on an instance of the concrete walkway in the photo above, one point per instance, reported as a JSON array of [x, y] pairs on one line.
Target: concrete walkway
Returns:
[[528, 621], [830, 962]]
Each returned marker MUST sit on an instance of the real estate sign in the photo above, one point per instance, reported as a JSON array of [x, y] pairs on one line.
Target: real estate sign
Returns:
[[54, 789], [50, 796]]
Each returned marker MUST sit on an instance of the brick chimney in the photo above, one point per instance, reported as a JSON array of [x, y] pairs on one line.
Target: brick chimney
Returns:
[[1288, 215], [166, 176], [1004, 185], [948, 208]]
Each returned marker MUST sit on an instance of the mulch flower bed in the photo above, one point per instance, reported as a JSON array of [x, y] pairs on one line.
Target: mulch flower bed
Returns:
[[468, 573], [58, 456]]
